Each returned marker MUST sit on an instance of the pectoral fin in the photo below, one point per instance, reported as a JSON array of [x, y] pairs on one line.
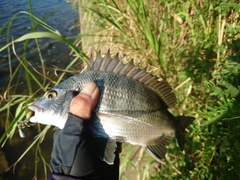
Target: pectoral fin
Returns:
[[106, 149], [158, 151]]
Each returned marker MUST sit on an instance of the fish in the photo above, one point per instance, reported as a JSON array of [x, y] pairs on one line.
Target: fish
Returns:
[[132, 107]]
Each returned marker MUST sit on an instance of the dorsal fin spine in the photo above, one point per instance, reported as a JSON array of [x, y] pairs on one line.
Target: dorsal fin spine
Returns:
[[98, 61], [132, 72], [149, 81], [145, 78], [115, 65], [118, 67], [105, 61], [140, 74]]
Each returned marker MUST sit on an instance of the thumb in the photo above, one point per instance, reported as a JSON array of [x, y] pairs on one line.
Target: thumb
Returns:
[[83, 104]]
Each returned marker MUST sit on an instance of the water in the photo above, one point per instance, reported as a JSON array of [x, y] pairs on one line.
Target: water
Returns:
[[54, 53], [64, 20]]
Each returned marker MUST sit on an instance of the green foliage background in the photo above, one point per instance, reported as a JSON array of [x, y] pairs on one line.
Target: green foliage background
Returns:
[[195, 46]]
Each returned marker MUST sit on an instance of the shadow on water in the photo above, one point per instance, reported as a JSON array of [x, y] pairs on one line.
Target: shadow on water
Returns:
[[54, 54]]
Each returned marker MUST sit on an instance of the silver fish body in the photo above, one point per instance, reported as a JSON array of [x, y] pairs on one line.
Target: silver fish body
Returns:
[[128, 110]]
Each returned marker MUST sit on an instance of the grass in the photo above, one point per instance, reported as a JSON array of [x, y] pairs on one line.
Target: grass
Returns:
[[194, 45]]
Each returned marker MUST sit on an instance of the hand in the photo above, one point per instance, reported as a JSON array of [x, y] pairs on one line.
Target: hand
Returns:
[[75, 150], [83, 104]]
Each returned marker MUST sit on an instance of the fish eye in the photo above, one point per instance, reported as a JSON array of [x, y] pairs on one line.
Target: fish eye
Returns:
[[51, 95], [76, 92]]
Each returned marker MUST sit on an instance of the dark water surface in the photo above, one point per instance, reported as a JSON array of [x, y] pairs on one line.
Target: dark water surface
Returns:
[[54, 53], [64, 20]]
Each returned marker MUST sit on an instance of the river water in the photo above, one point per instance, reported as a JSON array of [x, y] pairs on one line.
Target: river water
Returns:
[[64, 20], [54, 53]]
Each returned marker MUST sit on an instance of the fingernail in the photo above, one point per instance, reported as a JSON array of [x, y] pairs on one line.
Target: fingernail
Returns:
[[89, 88]]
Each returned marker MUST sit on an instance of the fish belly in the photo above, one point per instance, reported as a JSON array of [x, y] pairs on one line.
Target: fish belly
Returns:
[[134, 131]]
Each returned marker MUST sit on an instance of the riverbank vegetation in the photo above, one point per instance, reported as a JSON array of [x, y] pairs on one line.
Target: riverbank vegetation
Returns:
[[193, 44]]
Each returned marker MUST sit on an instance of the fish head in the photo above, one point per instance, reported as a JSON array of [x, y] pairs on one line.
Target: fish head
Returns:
[[52, 108]]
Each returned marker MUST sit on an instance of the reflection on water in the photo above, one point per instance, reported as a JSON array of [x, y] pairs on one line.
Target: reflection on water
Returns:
[[53, 53], [63, 20]]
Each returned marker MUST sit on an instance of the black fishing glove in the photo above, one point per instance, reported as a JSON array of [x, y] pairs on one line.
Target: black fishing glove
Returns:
[[75, 156]]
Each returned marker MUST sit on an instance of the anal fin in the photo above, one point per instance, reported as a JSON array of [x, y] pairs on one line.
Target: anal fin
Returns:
[[158, 151]]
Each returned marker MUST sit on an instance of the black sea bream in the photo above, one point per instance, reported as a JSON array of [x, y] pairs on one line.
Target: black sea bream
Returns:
[[132, 107]]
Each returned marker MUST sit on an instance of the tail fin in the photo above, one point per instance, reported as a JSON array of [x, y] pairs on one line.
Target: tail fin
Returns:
[[182, 123]]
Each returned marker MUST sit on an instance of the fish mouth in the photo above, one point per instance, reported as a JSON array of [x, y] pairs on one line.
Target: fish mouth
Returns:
[[35, 108]]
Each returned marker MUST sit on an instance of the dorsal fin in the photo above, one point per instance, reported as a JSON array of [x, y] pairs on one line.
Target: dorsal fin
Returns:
[[106, 60], [115, 65]]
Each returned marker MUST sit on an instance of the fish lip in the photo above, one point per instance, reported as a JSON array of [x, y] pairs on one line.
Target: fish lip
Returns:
[[35, 108]]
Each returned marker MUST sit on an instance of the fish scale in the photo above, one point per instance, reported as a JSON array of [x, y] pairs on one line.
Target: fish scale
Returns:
[[132, 107]]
